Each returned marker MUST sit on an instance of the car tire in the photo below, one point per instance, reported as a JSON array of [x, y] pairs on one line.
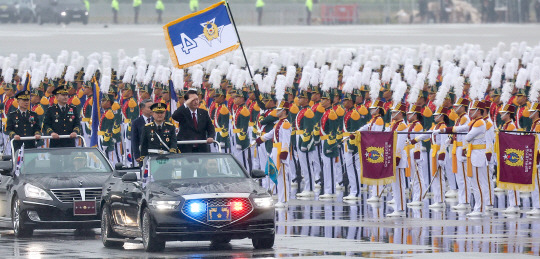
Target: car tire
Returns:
[[85, 21], [221, 241], [17, 220], [106, 230], [150, 241], [264, 242]]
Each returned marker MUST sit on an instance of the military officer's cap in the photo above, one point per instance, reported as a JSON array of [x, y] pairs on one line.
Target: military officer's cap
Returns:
[[534, 107], [462, 101], [62, 89], [441, 111], [23, 95], [415, 109], [521, 92], [477, 105], [508, 108], [400, 107], [158, 107]]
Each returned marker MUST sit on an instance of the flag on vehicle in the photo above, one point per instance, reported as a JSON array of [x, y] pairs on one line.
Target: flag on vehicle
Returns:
[[377, 160], [271, 170], [96, 110], [516, 161], [20, 160], [201, 36]]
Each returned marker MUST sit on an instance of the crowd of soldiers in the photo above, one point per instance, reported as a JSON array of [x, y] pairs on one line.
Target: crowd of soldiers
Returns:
[[301, 112]]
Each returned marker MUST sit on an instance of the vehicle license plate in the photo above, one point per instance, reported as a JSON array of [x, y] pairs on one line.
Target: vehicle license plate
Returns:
[[84, 208], [219, 213]]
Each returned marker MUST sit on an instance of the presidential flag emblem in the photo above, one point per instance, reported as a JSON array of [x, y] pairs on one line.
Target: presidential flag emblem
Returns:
[[513, 157], [375, 154]]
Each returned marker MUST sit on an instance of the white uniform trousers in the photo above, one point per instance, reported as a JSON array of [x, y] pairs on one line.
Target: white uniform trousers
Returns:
[[513, 198], [450, 176], [398, 190], [462, 181], [309, 163], [479, 188], [439, 184], [536, 193], [417, 176], [262, 156], [283, 181], [331, 168], [353, 173]]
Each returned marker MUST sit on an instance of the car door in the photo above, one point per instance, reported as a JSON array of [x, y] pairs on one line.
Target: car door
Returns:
[[132, 195], [6, 184], [115, 188]]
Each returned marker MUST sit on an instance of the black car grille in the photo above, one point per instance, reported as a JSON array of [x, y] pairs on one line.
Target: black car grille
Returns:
[[202, 216], [69, 195]]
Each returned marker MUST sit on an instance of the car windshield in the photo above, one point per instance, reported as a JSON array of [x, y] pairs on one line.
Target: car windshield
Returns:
[[64, 161], [191, 166]]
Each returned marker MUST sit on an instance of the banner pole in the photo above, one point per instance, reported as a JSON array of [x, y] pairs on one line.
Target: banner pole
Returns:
[[239, 40]]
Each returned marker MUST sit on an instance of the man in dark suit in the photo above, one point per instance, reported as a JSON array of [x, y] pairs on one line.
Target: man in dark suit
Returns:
[[138, 126], [62, 119], [194, 124]]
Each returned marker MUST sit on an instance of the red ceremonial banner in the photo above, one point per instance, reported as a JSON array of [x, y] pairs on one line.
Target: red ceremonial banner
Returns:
[[377, 160], [516, 161]]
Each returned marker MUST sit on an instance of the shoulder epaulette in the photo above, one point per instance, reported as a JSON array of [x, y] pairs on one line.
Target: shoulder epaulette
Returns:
[[379, 121], [245, 112], [168, 123], [286, 125], [309, 114], [149, 124]]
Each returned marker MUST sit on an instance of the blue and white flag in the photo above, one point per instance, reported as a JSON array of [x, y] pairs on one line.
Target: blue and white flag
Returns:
[[201, 36], [20, 160], [271, 170]]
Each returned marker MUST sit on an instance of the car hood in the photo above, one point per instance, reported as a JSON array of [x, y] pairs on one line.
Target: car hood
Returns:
[[207, 185], [52, 181]]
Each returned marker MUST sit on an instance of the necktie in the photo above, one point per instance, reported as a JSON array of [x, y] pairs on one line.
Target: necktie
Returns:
[[147, 120], [63, 109], [159, 128], [195, 120]]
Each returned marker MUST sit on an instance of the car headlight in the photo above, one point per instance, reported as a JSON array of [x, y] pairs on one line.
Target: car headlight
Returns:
[[34, 192], [85, 13], [165, 205], [265, 202], [63, 13]]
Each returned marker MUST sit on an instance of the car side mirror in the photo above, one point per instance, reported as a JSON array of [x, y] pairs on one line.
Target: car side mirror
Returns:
[[257, 173], [6, 167], [118, 166], [129, 177]]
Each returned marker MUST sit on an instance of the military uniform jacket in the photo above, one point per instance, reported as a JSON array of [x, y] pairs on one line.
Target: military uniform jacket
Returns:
[[240, 124], [86, 113], [24, 126], [106, 125], [266, 123], [328, 132], [61, 123], [351, 123], [150, 140], [220, 120], [293, 112], [304, 123]]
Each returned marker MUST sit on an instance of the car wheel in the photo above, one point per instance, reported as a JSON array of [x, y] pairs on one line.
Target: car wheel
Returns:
[[264, 242], [150, 241], [85, 21], [106, 230], [17, 220]]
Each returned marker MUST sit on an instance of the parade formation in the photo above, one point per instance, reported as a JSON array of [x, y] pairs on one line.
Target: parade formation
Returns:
[[408, 125]]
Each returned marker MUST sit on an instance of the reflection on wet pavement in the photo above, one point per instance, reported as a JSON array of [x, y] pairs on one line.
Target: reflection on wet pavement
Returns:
[[325, 229]]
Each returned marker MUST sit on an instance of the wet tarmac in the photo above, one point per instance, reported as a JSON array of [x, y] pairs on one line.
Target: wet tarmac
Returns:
[[325, 229]]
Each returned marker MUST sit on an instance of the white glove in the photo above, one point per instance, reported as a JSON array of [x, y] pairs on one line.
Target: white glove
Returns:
[[239, 147], [436, 132], [448, 142]]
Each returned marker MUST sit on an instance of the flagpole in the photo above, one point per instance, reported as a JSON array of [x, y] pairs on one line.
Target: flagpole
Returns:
[[239, 40]]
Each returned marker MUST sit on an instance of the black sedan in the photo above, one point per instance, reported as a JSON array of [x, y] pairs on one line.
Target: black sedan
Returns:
[[52, 189], [181, 197]]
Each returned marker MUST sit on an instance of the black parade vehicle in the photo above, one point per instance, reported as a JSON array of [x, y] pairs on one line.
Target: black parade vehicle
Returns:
[[52, 188], [187, 197]]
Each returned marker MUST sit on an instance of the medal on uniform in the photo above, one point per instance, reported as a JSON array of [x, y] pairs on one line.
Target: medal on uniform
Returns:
[[70, 120], [56, 120], [16, 125], [151, 139], [167, 139]]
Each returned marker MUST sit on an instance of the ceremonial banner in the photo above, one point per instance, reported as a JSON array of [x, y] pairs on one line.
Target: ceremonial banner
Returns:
[[271, 170], [377, 161], [200, 36], [516, 161]]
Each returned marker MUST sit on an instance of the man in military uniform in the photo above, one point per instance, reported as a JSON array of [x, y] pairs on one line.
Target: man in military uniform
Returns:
[[23, 123], [158, 137], [62, 119]]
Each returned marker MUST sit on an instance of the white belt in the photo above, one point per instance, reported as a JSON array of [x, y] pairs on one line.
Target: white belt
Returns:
[[157, 151]]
